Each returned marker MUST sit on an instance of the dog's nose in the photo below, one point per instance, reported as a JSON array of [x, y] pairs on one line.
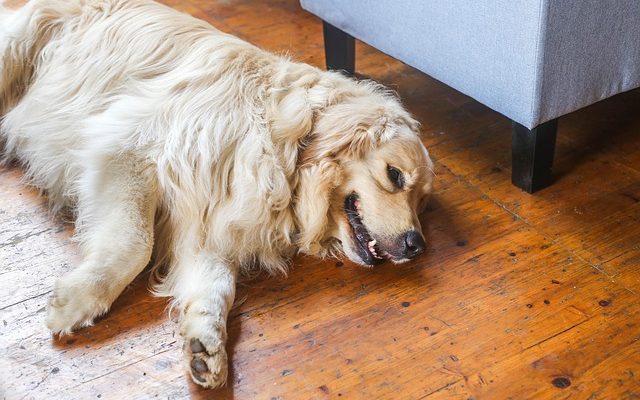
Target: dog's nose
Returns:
[[413, 244]]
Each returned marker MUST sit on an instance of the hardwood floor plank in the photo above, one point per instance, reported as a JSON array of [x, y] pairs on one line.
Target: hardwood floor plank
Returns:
[[577, 357]]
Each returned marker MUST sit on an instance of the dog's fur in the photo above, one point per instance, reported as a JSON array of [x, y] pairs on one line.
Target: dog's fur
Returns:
[[172, 141]]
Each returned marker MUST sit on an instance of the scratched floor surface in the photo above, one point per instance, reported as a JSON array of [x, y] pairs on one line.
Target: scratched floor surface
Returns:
[[518, 296]]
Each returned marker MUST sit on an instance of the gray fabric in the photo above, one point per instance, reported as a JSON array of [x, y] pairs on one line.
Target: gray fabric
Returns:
[[532, 60], [592, 51]]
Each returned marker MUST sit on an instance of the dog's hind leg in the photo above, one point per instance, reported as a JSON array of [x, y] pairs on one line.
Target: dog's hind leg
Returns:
[[205, 290], [116, 210], [24, 33], [12, 68]]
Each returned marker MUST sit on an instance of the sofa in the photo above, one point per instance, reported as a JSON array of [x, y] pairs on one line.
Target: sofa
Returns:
[[530, 60]]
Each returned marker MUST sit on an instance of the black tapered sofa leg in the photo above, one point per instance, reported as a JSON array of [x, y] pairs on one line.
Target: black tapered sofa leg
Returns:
[[532, 155], [339, 49]]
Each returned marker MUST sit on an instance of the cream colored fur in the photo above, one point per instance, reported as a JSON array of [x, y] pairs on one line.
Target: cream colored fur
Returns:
[[172, 141]]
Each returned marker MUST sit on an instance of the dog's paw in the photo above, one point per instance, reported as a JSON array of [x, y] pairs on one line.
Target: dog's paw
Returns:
[[207, 362], [71, 307], [205, 337]]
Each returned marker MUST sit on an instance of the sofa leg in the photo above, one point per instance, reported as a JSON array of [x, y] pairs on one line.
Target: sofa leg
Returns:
[[339, 49], [532, 155]]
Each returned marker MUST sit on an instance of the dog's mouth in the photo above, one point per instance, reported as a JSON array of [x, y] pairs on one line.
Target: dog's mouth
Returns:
[[367, 247]]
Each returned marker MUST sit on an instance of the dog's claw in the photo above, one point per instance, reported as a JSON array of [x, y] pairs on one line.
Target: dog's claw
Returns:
[[198, 377], [196, 346], [198, 365]]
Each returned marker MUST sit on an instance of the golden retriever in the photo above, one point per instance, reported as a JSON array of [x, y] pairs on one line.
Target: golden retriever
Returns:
[[174, 142]]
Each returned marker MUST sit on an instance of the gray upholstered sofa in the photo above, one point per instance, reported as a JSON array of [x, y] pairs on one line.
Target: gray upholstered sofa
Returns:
[[531, 60]]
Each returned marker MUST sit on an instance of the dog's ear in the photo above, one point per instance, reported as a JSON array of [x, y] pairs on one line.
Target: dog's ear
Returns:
[[347, 130], [291, 118], [314, 188]]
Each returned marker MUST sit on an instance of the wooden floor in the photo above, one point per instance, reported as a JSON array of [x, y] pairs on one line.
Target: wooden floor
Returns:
[[519, 296]]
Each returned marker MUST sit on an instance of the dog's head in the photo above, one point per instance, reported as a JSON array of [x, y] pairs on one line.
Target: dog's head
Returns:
[[364, 178]]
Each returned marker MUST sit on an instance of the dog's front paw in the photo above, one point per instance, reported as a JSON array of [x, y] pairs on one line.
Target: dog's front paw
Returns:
[[72, 307], [207, 362]]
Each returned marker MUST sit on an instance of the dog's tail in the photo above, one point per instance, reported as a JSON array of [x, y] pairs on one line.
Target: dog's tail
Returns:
[[23, 34]]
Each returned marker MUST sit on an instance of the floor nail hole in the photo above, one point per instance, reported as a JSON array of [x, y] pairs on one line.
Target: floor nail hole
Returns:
[[561, 382]]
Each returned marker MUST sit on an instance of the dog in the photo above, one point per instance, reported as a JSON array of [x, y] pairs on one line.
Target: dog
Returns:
[[176, 145]]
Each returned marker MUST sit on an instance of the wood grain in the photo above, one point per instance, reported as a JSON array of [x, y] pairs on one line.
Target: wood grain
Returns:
[[519, 296]]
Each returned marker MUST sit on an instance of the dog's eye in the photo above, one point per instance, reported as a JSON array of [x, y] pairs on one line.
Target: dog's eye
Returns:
[[395, 176]]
